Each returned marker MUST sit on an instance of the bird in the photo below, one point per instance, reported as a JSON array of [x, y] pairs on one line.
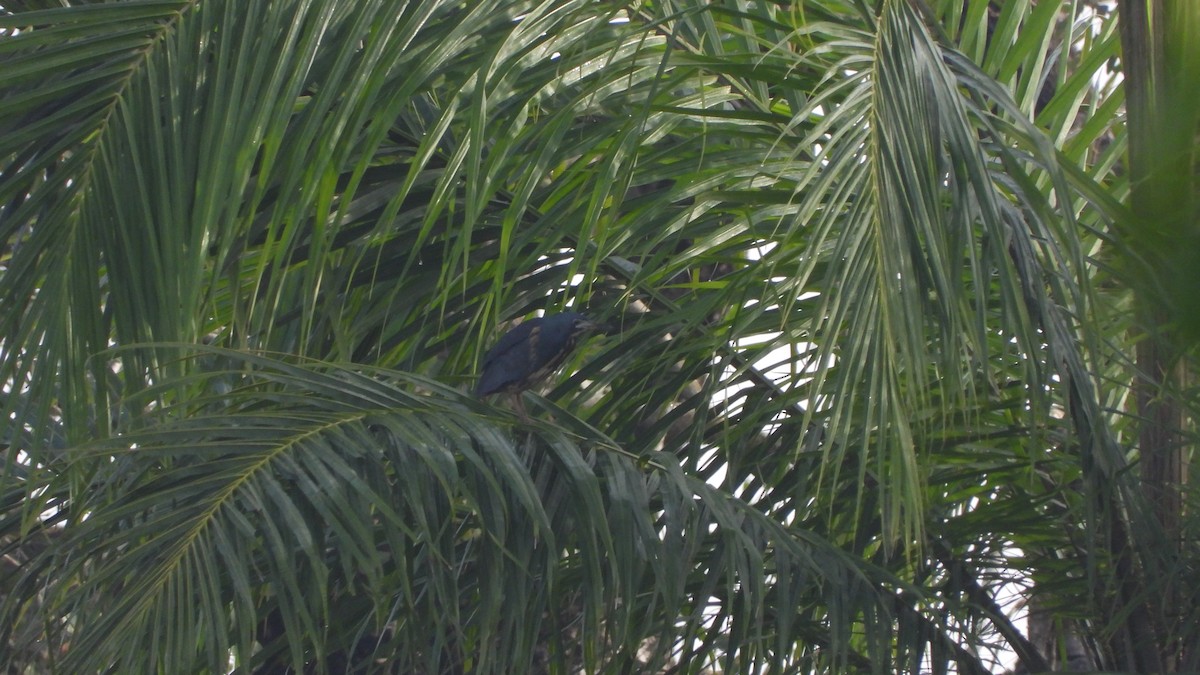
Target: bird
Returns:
[[529, 353]]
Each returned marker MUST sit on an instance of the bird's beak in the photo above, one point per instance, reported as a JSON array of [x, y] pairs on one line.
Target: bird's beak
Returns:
[[589, 326], [602, 328]]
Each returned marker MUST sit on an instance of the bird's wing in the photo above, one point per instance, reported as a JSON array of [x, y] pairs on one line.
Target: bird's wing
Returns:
[[510, 359], [509, 341]]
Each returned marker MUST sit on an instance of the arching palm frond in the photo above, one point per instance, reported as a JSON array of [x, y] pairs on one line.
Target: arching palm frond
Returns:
[[317, 515]]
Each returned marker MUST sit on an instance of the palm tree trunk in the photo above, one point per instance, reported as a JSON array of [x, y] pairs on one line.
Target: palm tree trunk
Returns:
[[1162, 80]]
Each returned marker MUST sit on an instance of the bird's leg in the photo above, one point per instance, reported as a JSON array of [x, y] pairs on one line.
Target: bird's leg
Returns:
[[519, 405]]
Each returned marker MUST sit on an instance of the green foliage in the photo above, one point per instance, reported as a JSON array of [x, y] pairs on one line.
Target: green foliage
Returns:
[[869, 359]]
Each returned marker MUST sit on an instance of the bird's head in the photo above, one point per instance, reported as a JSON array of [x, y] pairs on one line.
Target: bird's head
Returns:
[[581, 325]]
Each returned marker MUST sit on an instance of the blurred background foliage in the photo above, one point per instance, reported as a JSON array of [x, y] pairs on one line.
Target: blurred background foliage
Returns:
[[877, 375]]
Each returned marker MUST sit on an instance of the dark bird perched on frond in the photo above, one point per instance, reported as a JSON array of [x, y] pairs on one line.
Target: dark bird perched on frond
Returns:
[[530, 352]]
